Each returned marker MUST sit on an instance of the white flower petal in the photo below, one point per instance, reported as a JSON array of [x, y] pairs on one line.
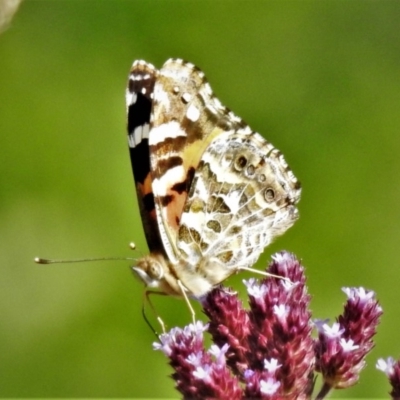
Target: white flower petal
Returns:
[[361, 293], [202, 373], [386, 366], [269, 387], [331, 332], [281, 311], [271, 365], [348, 345], [255, 289], [195, 359]]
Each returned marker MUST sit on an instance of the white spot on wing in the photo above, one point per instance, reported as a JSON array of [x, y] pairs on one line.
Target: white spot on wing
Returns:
[[245, 131], [211, 109], [234, 117], [218, 104], [131, 141], [161, 96], [146, 130], [207, 90], [186, 97], [193, 113], [137, 134], [232, 201], [141, 132], [193, 220], [169, 130], [130, 98], [161, 184]]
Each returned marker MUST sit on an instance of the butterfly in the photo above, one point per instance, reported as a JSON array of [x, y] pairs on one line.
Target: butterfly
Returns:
[[212, 193]]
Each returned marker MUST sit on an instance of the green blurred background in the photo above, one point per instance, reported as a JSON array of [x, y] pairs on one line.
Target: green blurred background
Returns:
[[319, 79]]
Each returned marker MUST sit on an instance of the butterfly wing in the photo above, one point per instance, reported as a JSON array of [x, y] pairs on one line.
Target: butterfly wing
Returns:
[[243, 195], [139, 103], [186, 117]]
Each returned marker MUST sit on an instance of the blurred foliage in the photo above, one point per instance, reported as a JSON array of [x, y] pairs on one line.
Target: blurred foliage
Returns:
[[320, 79], [7, 10]]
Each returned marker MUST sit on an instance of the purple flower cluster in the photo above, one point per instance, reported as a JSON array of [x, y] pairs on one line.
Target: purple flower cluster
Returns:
[[392, 370], [267, 351], [341, 348], [199, 374]]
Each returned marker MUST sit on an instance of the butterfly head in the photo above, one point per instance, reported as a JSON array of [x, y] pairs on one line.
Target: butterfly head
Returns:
[[149, 271], [154, 271]]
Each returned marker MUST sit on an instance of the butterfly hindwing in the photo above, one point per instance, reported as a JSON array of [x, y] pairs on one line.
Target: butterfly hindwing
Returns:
[[242, 197]]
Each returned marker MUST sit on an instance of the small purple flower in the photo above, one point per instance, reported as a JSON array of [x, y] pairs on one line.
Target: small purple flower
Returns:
[[391, 368], [331, 332], [341, 349], [271, 365], [199, 374], [229, 324], [269, 387], [281, 326], [386, 366], [263, 383]]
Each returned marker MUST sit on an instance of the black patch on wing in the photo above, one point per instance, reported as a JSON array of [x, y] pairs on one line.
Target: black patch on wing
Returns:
[[189, 178], [179, 187], [164, 165], [141, 82], [183, 186], [141, 79], [139, 112], [140, 160], [165, 200], [148, 202]]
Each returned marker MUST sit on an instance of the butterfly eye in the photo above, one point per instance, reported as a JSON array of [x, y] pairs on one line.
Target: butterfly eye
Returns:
[[269, 195], [155, 271], [240, 163]]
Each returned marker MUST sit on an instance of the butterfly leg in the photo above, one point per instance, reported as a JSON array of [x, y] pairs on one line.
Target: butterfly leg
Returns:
[[147, 300], [183, 291], [256, 271]]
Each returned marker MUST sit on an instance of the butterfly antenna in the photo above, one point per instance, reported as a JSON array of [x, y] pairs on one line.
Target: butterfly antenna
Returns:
[[132, 246], [39, 260]]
